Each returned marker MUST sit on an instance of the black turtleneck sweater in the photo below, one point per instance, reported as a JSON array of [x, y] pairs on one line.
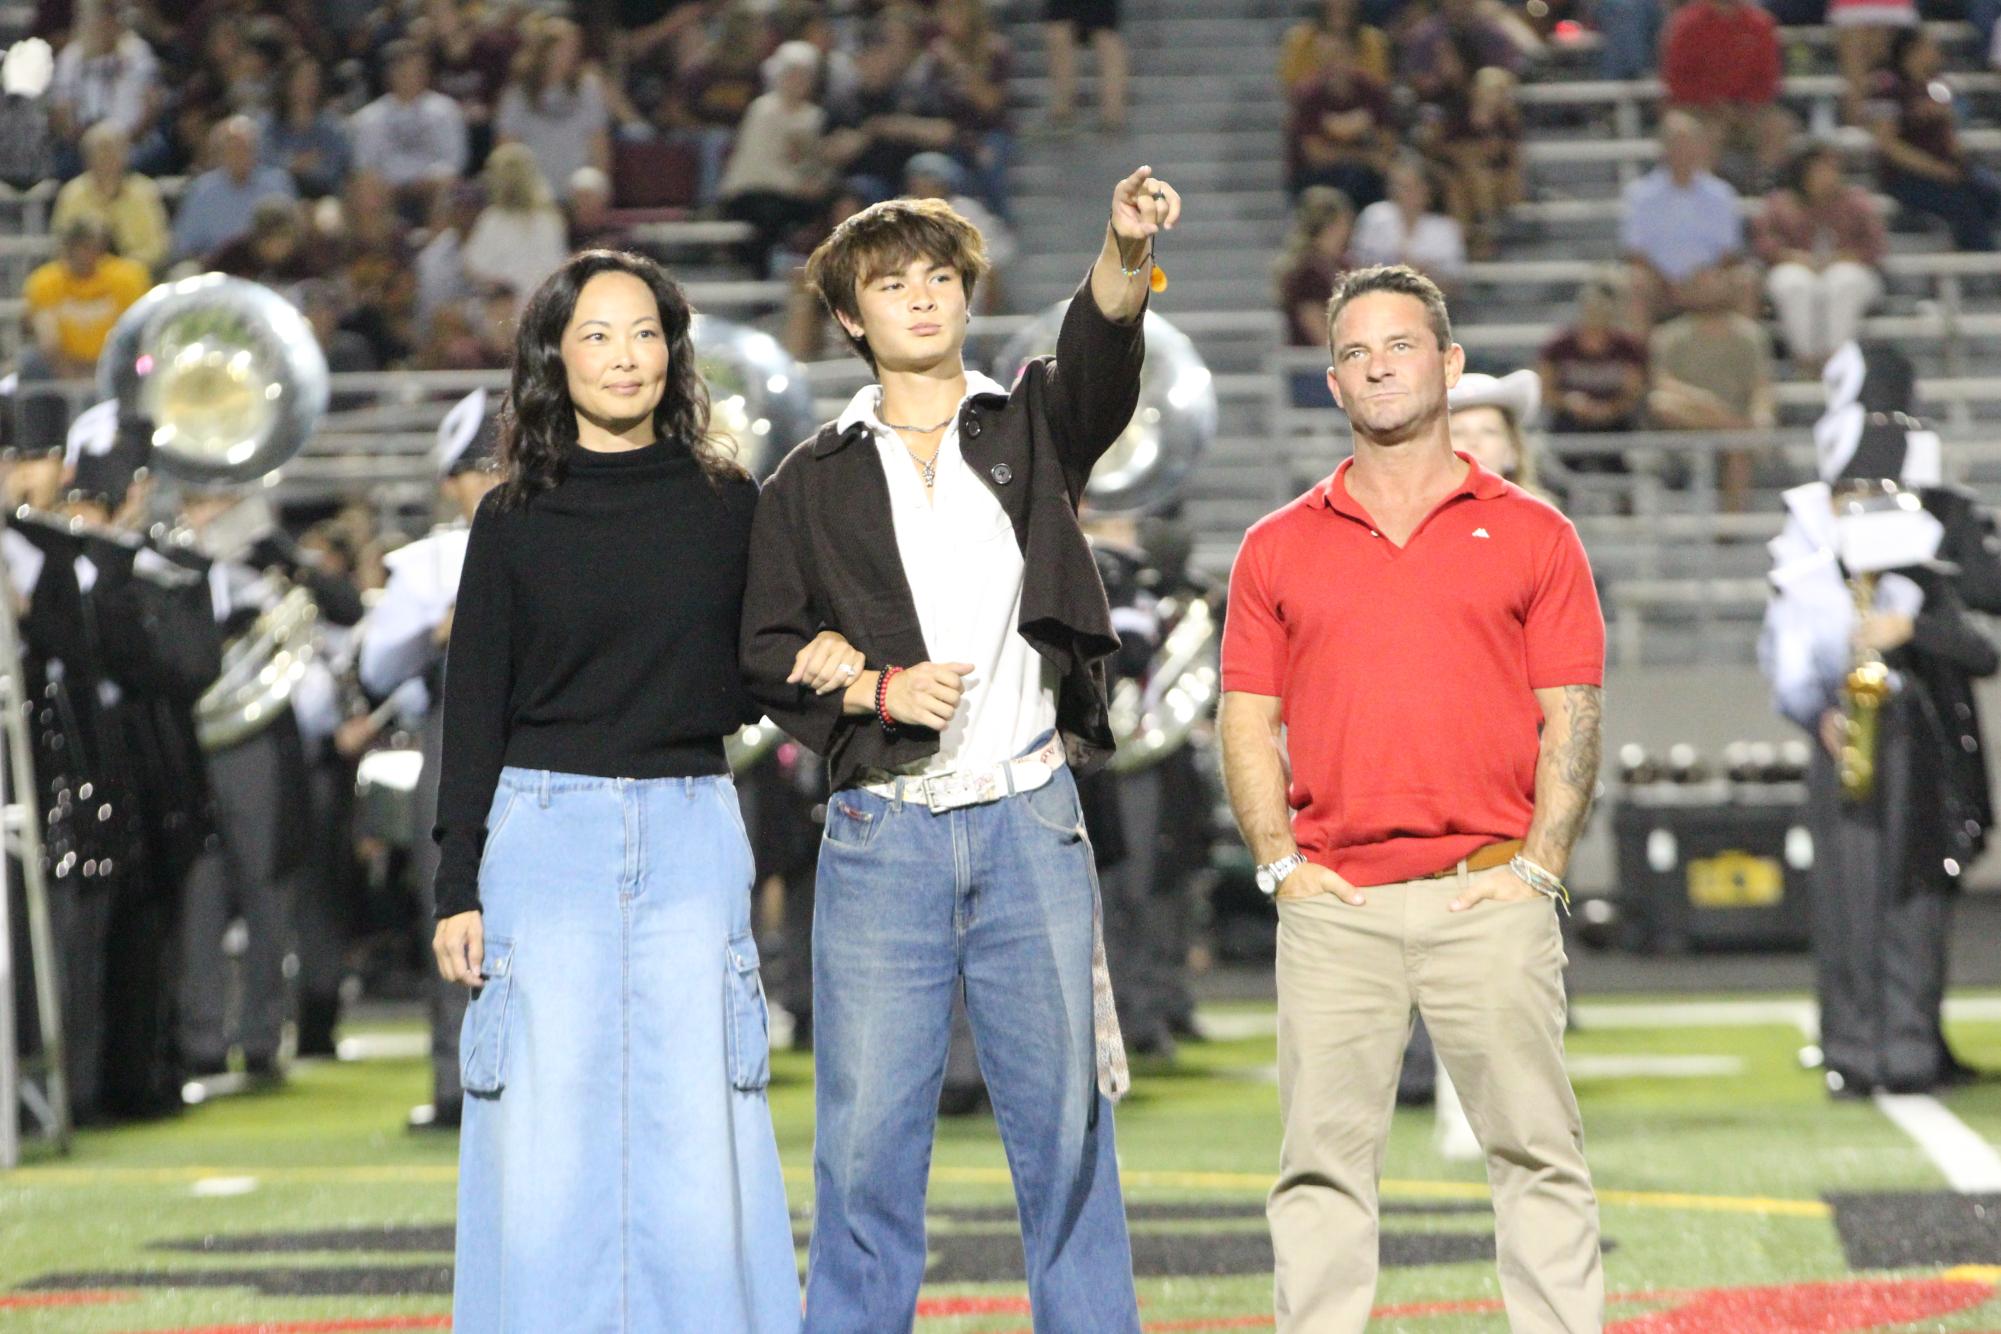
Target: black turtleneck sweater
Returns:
[[595, 634]]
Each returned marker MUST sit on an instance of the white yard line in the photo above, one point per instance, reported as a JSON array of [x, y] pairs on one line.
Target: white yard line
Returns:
[[1969, 1162], [1655, 1067], [1803, 1015], [384, 1046]]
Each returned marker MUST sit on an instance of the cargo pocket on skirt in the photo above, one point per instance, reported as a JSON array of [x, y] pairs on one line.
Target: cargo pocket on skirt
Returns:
[[483, 1046], [749, 1021]]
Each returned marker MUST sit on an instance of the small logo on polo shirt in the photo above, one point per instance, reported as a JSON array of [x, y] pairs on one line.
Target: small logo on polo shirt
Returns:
[[1480, 532]]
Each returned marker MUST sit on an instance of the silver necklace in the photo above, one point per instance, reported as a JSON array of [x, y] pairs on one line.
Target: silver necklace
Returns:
[[929, 467]]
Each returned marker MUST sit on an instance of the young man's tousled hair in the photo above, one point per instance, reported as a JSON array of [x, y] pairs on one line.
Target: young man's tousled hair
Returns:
[[1400, 279], [884, 238]]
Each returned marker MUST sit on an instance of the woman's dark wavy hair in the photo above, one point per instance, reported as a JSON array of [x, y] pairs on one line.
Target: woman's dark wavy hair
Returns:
[[539, 422]]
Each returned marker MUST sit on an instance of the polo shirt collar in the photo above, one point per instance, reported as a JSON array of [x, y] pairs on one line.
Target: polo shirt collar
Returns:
[[1478, 483]]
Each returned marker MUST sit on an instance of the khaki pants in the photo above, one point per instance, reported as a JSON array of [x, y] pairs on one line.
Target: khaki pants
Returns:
[[1489, 984]]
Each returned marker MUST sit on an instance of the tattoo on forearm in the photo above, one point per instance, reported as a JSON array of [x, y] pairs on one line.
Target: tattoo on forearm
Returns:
[[1584, 710], [1567, 772]]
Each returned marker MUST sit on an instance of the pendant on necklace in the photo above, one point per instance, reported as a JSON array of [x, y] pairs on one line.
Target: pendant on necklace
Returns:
[[930, 468]]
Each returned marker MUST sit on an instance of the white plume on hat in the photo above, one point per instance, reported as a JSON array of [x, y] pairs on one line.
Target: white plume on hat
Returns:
[[27, 69], [94, 431], [459, 429], [1518, 393]]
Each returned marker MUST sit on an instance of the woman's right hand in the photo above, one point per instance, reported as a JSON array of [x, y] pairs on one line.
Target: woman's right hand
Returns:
[[460, 946]]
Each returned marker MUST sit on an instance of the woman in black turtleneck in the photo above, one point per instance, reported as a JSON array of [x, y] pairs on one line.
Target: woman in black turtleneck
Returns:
[[617, 1166]]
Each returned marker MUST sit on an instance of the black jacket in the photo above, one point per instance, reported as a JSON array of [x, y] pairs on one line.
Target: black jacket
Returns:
[[823, 551], [1946, 654]]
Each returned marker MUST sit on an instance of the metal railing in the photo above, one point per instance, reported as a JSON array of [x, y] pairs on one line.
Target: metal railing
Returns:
[[1683, 577]]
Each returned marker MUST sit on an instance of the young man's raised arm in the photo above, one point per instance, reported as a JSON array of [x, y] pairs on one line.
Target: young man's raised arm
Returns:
[[1094, 383]]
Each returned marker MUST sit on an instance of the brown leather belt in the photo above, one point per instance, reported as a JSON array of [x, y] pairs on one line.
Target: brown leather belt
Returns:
[[1482, 859]]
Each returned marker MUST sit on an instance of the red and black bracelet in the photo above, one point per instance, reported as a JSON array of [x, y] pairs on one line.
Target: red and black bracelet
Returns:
[[882, 698]]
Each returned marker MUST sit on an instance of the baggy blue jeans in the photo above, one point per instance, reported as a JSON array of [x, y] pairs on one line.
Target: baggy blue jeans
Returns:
[[617, 1170], [907, 903]]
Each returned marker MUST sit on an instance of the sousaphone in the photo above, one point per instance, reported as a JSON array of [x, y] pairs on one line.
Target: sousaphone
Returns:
[[228, 382]]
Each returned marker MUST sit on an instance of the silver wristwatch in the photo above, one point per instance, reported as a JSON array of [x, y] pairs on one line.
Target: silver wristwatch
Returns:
[[1272, 874]]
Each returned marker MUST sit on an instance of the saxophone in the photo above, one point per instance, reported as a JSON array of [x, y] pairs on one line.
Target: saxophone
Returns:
[[1863, 693], [1869, 683]]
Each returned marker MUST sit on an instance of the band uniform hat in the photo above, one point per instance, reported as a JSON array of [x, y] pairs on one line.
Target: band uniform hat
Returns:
[[103, 455], [468, 437]]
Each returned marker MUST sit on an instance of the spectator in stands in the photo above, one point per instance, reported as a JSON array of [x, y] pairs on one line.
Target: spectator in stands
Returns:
[[1631, 37], [457, 340], [1339, 131], [275, 251], [377, 267], [1680, 222], [257, 76], [1315, 255], [440, 265], [1492, 422], [411, 137], [1406, 228], [808, 21], [521, 236], [718, 84], [73, 300], [893, 114], [1712, 371], [1483, 29], [105, 72], [592, 226], [321, 303], [1473, 136], [555, 104], [971, 62], [1720, 61], [775, 180], [1064, 22], [127, 203], [1923, 165], [1821, 240], [472, 50], [215, 208], [303, 136], [1594, 374], [1864, 32], [238, 72], [1300, 54]]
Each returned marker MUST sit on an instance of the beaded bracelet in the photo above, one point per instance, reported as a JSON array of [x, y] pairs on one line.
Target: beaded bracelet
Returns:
[[882, 698], [1541, 880]]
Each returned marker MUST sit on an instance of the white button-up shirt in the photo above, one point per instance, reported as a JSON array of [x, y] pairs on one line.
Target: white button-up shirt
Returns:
[[965, 570]]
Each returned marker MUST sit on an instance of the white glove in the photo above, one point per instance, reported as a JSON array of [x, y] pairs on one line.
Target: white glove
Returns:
[[27, 69]]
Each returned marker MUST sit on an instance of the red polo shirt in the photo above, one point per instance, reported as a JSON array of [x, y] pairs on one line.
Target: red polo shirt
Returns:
[[1407, 674]]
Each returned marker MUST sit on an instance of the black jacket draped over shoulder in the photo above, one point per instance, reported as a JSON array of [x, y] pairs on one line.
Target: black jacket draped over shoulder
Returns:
[[823, 551]]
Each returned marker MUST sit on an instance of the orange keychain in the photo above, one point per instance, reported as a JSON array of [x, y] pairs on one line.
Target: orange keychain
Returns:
[[1158, 279]]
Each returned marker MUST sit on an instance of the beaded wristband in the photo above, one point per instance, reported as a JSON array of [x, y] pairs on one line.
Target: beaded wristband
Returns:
[[882, 698], [1541, 880]]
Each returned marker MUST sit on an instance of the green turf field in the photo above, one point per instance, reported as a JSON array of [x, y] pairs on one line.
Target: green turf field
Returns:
[[1736, 1200]]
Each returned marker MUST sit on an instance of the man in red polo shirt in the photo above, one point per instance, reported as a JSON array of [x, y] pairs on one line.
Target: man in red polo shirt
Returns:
[[1411, 674]]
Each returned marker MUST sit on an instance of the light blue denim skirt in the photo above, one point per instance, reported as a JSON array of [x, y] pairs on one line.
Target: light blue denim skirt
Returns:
[[617, 1170]]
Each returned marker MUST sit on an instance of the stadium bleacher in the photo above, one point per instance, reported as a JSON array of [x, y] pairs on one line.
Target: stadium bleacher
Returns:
[[1210, 115]]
